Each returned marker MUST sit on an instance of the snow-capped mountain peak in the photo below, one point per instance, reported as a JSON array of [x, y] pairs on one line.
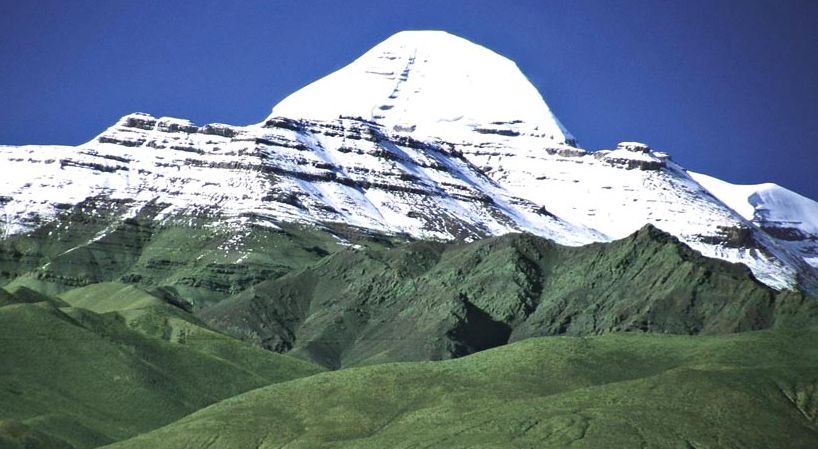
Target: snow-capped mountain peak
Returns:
[[426, 134], [432, 84]]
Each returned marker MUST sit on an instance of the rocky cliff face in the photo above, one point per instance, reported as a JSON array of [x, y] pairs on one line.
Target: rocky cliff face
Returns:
[[402, 141]]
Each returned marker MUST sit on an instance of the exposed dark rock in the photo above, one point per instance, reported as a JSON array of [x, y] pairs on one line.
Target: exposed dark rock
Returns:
[[187, 149], [732, 237], [498, 131], [219, 130], [146, 123], [543, 211], [631, 164], [174, 127], [125, 143], [566, 152], [284, 197], [113, 157], [92, 166], [285, 123], [788, 234]]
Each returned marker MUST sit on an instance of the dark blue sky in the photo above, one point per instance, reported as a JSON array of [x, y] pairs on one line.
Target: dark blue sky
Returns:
[[729, 88]]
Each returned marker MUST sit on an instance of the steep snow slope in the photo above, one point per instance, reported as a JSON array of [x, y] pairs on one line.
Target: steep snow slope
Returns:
[[789, 217], [432, 84], [426, 134], [765, 204]]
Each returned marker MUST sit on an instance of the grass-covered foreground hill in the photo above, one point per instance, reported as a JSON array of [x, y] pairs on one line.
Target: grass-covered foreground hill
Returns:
[[73, 378], [751, 390]]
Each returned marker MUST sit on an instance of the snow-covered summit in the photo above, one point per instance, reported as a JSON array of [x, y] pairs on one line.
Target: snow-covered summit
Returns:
[[432, 84], [765, 203], [782, 213]]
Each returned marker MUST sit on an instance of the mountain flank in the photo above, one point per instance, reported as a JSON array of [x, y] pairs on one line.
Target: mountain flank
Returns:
[[429, 301]]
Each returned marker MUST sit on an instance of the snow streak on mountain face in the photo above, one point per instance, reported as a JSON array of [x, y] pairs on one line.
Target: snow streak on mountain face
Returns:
[[426, 134]]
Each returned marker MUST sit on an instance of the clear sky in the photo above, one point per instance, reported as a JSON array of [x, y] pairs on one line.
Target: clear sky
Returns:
[[728, 87]]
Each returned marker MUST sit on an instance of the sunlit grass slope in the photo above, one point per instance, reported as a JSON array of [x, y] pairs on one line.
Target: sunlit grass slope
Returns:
[[752, 390], [69, 376]]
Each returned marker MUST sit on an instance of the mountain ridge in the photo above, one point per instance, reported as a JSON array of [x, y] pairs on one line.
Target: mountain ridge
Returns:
[[425, 300]]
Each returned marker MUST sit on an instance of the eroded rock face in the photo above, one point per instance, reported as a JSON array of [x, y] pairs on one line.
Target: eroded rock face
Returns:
[[734, 237], [633, 155]]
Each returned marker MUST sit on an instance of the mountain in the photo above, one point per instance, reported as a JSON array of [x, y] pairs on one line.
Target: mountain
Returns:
[[132, 358], [174, 285], [426, 135], [341, 297], [434, 85]]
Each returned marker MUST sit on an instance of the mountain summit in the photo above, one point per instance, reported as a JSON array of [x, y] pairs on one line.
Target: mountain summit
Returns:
[[432, 84], [427, 136]]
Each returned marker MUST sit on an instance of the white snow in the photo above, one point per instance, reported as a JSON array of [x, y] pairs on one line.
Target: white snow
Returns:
[[766, 203], [627, 154], [433, 83]]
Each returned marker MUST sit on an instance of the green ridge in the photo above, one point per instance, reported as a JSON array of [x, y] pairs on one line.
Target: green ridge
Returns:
[[428, 301], [113, 328], [110, 296]]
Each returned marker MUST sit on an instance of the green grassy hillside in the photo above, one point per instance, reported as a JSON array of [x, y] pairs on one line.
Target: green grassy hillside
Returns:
[[190, 259], [111, 329], [74, 378], [428, 301], [752, 390], [299, 289]]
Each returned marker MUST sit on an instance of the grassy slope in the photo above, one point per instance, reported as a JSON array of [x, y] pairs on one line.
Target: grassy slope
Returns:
[[145, 313], [752, 390], [72, 376], [143, 363], [297, 289], [191, 258], [197, 263], [109, 297], [425, 300]]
